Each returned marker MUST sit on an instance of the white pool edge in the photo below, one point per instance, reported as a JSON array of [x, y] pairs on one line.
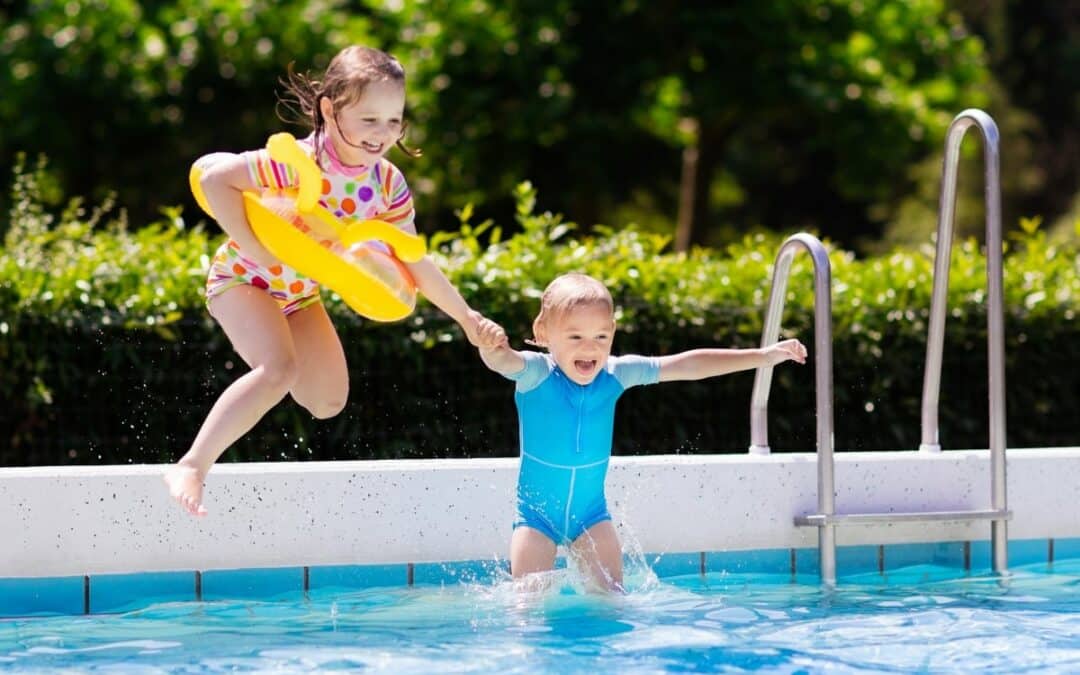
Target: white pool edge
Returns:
[[63, 521]]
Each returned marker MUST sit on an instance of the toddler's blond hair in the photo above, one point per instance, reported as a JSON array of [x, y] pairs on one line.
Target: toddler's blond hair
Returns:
[[568, 292]]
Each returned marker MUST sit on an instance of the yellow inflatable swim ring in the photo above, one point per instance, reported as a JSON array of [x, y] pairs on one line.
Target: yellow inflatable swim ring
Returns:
[[361, 262]]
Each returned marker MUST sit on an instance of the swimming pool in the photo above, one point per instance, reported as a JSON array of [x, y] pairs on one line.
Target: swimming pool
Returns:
[[918, 618], [391, 565]]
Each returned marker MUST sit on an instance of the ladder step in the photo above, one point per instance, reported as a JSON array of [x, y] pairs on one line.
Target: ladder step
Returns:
[[821, 519]]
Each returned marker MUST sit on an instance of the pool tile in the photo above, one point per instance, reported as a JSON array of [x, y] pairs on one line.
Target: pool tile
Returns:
[[46, 595], [1029, 551], [1065, 549], [980, 557], [923, 573], [858, 560], [121, 592], [862, 561], [459, 572], [251, 583], [1021, 552], [357, 576], [674, 564], [945, 554], [807, 565], [767, 561]]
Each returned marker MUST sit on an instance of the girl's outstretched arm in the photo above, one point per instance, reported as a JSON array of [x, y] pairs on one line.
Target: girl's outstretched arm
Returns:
[[698, 364], [433, 283]]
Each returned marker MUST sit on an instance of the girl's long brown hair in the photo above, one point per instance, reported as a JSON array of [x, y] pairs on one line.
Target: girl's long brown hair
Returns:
[[344, 82]]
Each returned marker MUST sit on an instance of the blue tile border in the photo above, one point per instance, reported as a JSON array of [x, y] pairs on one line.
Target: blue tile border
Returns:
[[807, 562], [251, 583], [766, 561], [1065, 549], [675, 564], [42, 596], [460, 572], [921, 574], [357, 576], [123, 592], [946, 554], [1028, 551], [866, 559], [1021, 552], [892, 563]]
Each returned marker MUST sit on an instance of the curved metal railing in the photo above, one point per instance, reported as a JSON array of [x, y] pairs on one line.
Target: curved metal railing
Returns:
[[826, 519], [995, 311], [823, 380], [770, 333]]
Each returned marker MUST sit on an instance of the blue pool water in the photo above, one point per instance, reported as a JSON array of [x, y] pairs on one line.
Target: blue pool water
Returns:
[[915, 619]]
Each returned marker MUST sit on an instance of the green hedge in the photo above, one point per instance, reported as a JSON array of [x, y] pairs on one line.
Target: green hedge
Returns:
[[109, 356]]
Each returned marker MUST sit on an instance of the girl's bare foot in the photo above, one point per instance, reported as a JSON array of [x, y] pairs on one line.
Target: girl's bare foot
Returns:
[[186, 486]]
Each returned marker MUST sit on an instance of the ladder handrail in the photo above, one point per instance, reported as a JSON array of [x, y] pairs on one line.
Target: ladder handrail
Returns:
[[823, 380], [826, 518], [995, 311], [770, 333]]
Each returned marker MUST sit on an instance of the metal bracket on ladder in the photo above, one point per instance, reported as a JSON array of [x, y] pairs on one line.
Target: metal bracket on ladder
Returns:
[[826, 519]]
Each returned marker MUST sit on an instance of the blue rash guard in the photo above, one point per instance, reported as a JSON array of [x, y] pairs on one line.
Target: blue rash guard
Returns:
[[566, 430]]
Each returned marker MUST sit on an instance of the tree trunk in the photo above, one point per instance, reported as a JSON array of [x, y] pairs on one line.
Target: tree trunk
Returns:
[[684, 225], [698, 162]]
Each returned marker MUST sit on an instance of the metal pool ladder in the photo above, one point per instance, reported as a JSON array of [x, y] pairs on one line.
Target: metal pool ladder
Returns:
[[826, 519]]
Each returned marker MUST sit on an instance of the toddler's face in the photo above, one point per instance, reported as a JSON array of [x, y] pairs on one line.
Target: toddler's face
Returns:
[[365, 130], [580, 341]]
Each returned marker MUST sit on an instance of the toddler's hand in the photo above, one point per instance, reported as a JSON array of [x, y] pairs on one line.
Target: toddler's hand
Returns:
[[490, 335], [482, 332], [787, 350]]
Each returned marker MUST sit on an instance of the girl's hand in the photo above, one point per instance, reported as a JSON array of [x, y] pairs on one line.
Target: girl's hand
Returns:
[[788, 350], [482, 332], [490, 335]]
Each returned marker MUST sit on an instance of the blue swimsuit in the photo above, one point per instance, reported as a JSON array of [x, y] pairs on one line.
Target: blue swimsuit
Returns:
[[565, 431]]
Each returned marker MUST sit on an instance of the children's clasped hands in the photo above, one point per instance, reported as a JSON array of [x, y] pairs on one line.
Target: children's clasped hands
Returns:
[[489, 335]]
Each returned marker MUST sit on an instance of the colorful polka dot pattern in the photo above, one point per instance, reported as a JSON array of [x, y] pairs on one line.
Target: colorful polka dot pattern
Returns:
[[229, 268], [379, 191], [371, 192]]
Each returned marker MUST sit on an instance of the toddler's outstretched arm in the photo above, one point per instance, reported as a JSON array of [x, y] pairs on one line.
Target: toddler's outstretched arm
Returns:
[[698, 364]]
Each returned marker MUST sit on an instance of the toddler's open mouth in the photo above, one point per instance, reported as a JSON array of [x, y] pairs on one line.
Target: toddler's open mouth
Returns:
[[585, 367]]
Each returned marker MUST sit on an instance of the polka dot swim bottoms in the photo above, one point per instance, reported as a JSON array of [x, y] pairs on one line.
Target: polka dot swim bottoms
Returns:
[[229, 268]]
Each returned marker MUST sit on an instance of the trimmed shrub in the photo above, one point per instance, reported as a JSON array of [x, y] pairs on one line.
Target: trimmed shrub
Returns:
[[110, 357]]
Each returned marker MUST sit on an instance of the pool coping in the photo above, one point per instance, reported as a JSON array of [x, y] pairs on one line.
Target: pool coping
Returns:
[[79, 523]]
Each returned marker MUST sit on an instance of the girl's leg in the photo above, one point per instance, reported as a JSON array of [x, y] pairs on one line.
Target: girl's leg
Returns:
[[601, 553], [322, 383], [260, 335], [530, 552]]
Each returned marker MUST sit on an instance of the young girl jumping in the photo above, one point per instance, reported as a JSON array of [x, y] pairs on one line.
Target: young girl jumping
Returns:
[[273, 315], [566, 409]]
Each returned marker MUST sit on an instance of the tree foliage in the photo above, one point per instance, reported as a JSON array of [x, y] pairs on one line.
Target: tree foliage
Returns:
[[100, 322], [823, 102]]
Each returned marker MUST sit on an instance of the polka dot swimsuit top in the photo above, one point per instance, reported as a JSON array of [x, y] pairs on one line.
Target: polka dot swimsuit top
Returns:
[[352, 193]]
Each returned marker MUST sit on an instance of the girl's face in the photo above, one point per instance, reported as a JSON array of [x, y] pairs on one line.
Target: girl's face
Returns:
[[580, 340], [364, 131]]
